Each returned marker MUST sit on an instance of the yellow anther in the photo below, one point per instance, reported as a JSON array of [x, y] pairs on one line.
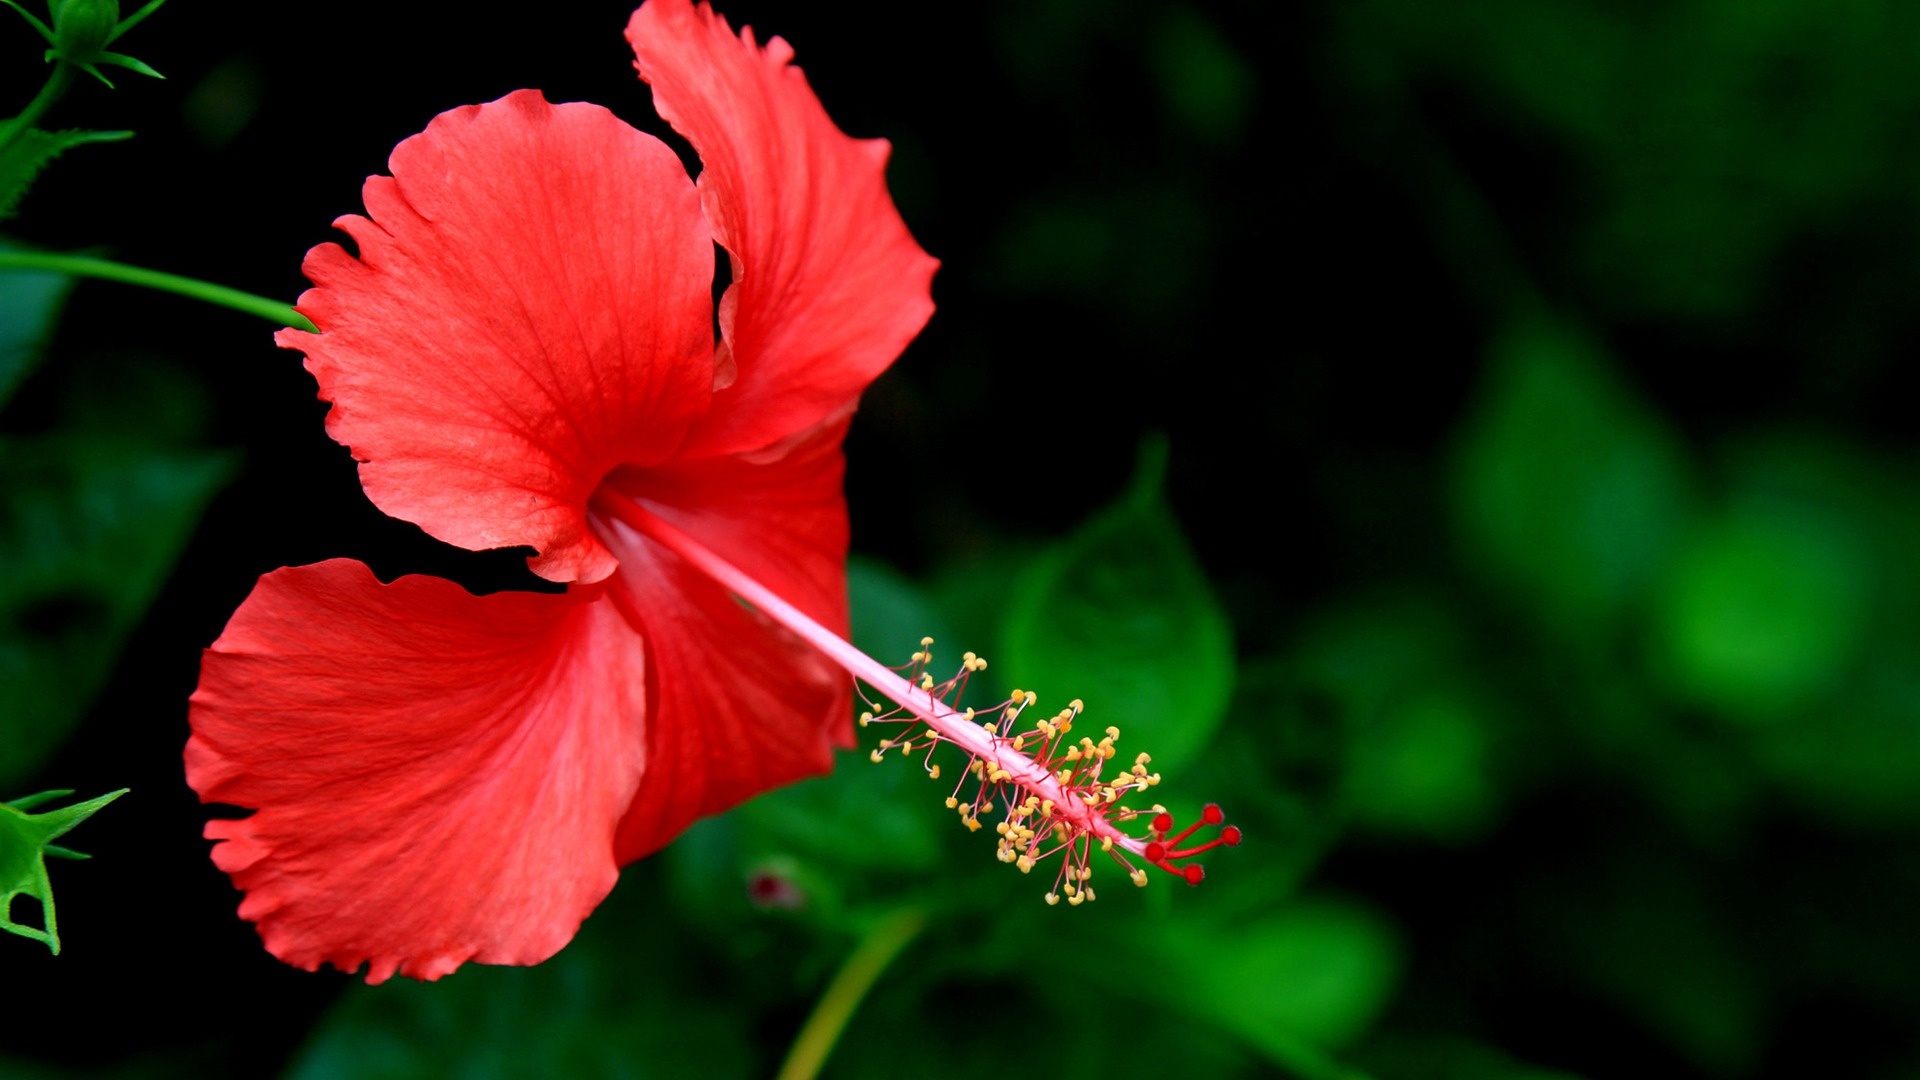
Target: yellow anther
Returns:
[[925, 641], [1074, 898], [866, 718], [1001, 828], [906, 748], [1031, 698], [1088, 893], [933, 772], [1113, 733], [1086, 872], [1143, 758], [1053, 898], [1139, 770], [1032, 801], [988, 725], [1076, 705], [980, 664], [1025, 863], [1106, 843], [1139, 878], [968, 715], [1073, 753], [1014, 699], [972, 824], [926, 682], [1154, 779], [877, 756], [999, 776], [951, 801], [1046, 808]]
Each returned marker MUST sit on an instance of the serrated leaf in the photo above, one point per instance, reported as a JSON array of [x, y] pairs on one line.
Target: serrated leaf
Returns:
[[30, 303], [1120, 615], [25, 841], [88, 531], [31, 151]]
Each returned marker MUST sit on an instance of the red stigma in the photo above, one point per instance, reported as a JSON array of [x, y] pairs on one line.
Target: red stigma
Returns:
[[1165, 852]]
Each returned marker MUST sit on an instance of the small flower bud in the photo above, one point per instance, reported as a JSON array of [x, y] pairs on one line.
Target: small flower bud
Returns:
[[82, 28]]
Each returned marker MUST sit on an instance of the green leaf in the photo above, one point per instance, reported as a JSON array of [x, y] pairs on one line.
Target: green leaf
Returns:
[[25, 841], [1567, 489], [1305, 978], [88, 531], [31, 151], [30, 303], [1764, 612], [1419, 735], [1120, 616]]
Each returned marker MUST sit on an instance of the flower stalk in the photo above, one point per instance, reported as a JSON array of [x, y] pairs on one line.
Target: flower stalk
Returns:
[[274, 311]]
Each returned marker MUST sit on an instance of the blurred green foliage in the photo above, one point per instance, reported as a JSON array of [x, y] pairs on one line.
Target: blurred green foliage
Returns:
[[98, 497]]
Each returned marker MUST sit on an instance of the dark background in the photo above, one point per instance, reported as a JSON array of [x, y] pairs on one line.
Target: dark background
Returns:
[[1537, 379]]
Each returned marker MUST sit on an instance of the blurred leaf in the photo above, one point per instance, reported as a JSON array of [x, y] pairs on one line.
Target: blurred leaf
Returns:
[[891, 614], [1641, 927], [1451, 1058], [1763, 612], [1690, 147], [1419, 755], [25, 841], [618, 1002], [88, 532], [30, 303], [1566, 488], [1204, 78], [32, 150], [1120, 615], [1297, 981]]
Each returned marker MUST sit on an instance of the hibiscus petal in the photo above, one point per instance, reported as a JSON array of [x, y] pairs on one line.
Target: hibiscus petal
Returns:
[[437, 776], [531, 306], [740, 704], [828, 286]]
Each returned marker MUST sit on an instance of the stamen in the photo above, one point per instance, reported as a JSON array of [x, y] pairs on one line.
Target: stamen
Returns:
[[1035, 775]]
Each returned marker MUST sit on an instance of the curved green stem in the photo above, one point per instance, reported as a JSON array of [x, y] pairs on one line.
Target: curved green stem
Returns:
[[851, 983], [85, 266], [55, 86]]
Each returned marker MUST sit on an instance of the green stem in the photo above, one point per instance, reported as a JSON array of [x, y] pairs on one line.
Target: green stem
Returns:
[[56, 85], [85, 266], [849, 985]]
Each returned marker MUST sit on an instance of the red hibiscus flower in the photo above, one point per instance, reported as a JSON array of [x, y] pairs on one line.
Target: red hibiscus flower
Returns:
[[521, 351], [522, 354]]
